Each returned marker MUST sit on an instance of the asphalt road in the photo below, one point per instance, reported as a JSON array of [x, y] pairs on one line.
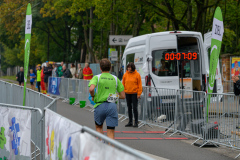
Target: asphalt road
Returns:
[[161, 147]]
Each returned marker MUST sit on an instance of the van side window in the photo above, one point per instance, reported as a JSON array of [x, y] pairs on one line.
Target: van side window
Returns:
[[130, 58], [160, 67]]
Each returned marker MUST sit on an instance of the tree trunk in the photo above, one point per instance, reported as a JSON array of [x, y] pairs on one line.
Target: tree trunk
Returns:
[[69, 41], [84, 52], [91, 34], [48, 45], [65, 59], [86, 40], [189, 15]]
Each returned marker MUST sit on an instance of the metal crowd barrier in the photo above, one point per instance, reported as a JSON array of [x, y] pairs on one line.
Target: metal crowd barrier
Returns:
[[36, 128], [11, 93], [66, 88], [87, 142]]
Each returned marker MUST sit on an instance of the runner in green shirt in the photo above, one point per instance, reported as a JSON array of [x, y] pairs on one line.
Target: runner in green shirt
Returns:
[[108, 89]]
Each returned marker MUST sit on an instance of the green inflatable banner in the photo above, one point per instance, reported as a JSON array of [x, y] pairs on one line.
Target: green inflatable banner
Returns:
[[28, 28], [216, 42]]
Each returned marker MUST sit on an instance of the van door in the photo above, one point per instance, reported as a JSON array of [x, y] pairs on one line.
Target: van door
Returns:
[[192, 69], [218, 87], [164, 73]]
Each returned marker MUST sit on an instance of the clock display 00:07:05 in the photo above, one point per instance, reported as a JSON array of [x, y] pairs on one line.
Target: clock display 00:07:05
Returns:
[[181, 56]]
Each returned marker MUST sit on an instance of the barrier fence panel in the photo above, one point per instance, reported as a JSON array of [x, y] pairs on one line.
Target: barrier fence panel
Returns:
[[13, 94], [17, 130], [65, 139], [63, 88], [70, 89], [222, 124], [189, 117], [158, 107]]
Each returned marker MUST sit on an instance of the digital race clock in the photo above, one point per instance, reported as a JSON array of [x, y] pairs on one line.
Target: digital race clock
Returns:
[[181, 56]]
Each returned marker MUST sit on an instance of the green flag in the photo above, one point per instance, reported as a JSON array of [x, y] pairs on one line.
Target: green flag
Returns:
[[216, 42], [28, 28]]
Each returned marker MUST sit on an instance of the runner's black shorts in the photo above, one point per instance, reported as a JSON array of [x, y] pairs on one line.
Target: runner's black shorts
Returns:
[[32, 83], [46, 79]]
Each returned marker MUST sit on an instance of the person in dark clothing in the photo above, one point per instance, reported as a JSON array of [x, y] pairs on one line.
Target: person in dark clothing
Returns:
[[120, 74], [20, 77], [236, 83], [66, 72], [48, 72]]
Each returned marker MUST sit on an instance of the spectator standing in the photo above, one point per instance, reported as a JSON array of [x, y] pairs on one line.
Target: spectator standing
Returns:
[[54, 71], [120, 74], [80, 72], [39, 78], [48, 72], [133, 88], [66, 72], [32, 78], [108, 86], [42, 81], [73, 72], [87, 72], [60, 70], [236, 83], [20, 77]]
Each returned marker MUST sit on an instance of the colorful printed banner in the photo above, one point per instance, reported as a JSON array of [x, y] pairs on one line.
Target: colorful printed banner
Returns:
[[61, 137], [64, 140], [235, 64], [216, 42], [93, 149], [15, 133], [53, 87], [28, 28]]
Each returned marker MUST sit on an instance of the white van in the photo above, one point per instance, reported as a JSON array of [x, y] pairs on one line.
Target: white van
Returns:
[[147, 51]]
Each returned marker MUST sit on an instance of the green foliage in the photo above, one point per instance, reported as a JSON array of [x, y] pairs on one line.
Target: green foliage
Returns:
[[61, 27]]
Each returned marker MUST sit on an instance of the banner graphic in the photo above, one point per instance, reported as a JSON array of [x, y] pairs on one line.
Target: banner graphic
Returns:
[[53, 87], [15, 133], [62, 137], [216, 42], [92, 149], [28, 28]]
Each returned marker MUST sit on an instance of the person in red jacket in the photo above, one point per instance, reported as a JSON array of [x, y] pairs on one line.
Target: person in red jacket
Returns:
[[42, 81], [87, 72]]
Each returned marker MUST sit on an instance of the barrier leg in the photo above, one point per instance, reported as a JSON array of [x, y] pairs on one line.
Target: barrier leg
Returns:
[[196, 141], [144, 124], [237, 156], [124, 119], [121, 117]]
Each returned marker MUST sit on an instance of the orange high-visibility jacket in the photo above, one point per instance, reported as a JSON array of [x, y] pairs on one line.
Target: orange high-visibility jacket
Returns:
[[87, 73], [132, 83]]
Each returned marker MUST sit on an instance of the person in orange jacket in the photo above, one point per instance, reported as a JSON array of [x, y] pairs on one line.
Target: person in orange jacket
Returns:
[[42, 81], [133, 88], [87, 72]]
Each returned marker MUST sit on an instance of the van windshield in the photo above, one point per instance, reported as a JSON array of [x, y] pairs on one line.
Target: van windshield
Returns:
[[160, 67]]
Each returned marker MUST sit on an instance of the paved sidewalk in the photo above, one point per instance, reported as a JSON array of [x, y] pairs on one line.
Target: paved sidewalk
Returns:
[[157, 145]]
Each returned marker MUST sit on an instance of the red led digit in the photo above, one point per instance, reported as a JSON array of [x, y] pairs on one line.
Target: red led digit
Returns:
[[189, 56], [184, 56], [194, 55], [167, 56], [178, 56], [172, 56]]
